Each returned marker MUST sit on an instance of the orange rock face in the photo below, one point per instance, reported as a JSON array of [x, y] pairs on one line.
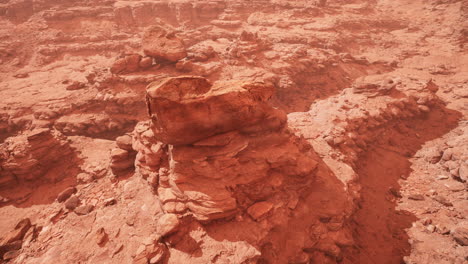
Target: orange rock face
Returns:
[[188, 109]]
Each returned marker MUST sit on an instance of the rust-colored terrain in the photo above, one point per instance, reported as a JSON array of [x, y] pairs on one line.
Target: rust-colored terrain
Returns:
[[234, 131]]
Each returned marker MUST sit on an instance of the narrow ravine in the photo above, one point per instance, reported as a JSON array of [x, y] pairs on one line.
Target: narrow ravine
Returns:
[[379, 229]]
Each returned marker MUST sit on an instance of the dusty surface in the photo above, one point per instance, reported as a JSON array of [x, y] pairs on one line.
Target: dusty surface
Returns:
[[233, 131]]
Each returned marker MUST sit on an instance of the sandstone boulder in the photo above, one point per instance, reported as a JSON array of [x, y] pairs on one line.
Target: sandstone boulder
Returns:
[[188, 108], [160, 43]]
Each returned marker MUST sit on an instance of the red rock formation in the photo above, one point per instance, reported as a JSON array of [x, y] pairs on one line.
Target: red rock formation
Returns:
[[42, 155]]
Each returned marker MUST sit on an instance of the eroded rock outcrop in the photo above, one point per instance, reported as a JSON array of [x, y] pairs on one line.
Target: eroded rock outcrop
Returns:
[[40, 155], [227, 148], [219, 151]]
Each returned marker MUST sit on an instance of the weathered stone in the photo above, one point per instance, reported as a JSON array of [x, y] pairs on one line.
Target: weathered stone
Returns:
[[84, 209], [146, 62], [65, 194], [443, 200], [72, 202], [260, 210], [124, 142], [167, 224], [101, 236], [118, 66], [159, 43]]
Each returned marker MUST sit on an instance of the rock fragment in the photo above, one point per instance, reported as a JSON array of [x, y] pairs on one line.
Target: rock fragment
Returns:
[[259, 210], [65, 194], [167, 224], [72, 202]]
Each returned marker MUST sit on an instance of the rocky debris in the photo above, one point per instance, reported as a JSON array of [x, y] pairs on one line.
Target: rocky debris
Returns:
[[31, 156], [123, 156], [161, 43]]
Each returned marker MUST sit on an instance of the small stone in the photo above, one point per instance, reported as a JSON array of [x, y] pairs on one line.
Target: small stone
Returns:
[[102, 237], [455, 186], [463, 172], [72, 202], [76, 86], [118, 66], [124, 142], [460, 235], [259, 210], [84, 209], [11, 254], [447, 155], [443, 200], [426, 221], [167, 224], [442, 177], [424, 108], [416, 197], [430, 228], [146, 62], [394, 192], [65, 194], [442, 229], [110, 201]]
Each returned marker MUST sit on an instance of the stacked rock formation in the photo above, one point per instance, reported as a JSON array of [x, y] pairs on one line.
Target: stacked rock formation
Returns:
[[123, 156], [214, 149], [40, 155]]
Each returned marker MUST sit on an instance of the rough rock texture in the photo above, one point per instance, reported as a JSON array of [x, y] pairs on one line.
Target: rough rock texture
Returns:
[[36, 156], [358, 156], [160, 43], [223, 141]]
